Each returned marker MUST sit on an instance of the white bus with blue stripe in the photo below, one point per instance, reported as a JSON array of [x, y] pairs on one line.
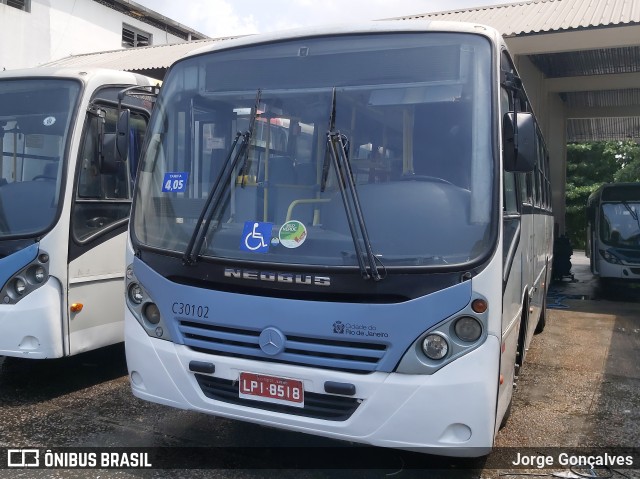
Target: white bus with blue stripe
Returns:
[[64, 208], [613, 233], [343, 232]]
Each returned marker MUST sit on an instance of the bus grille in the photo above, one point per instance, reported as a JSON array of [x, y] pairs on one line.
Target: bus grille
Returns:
[[318, 406], [299, 350], [632, 255]]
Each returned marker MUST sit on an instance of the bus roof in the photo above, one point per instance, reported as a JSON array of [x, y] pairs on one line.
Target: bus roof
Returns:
[[387, 26], [616, 192], [84, 74]]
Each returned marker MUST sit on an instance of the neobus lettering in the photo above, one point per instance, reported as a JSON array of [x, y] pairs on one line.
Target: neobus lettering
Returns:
[[290, 278]]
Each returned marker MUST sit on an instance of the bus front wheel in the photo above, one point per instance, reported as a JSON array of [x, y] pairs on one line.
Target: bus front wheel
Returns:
[[507, 414], [542, 322]]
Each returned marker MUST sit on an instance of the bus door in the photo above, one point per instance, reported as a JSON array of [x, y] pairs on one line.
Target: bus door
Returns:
[[99, 220]]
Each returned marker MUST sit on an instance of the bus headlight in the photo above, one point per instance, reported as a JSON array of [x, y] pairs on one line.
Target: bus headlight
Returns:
[[135, 293], [26, 280], [449, 339], [141, 306], [151, 313], [435, 346], [609, 257], [468, 329], [36, 274], [19, 286]]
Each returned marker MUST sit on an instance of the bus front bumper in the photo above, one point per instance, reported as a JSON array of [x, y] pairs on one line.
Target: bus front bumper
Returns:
[[451, 412], [626, 272], [32, 328]]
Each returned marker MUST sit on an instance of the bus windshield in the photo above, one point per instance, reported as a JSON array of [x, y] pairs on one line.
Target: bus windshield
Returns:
[[239, 147], [34, 124], [620, 225]]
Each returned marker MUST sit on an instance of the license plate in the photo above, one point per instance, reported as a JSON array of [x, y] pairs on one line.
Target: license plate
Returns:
[[261, 387]]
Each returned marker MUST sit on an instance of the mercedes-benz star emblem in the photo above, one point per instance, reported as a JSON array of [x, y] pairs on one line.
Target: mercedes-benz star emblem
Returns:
[[272, 341]]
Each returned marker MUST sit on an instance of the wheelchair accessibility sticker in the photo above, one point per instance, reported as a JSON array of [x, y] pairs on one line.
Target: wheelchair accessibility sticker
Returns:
[[256, 237], [292, 234]]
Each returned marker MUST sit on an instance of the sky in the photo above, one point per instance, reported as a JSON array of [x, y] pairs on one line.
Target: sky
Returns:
[[221, 18]]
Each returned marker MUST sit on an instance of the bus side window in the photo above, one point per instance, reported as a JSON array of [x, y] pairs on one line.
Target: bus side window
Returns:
[[103, 198], [89, 174]]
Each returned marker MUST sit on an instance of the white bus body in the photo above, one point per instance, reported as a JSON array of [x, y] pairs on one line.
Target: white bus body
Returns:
[[64, 206], [613, 232], [366, 269]]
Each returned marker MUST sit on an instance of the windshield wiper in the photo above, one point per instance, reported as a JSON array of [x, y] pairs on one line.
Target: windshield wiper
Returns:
[[327, 155], [245, 155], [355, 218], [633, 213], [215, 196]]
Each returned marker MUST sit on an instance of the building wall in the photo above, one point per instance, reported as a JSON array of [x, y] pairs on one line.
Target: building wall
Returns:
[[55, 29], [25, 37]]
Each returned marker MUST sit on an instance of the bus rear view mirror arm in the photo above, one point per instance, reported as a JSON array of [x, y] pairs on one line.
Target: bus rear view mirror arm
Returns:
[[122, 135]]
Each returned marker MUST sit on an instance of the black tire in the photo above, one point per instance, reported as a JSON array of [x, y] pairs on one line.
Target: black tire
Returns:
[[507, 413], [542, 322]]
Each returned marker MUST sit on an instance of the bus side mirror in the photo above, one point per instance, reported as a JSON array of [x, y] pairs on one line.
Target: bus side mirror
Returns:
[[122, 136], [519, 140]]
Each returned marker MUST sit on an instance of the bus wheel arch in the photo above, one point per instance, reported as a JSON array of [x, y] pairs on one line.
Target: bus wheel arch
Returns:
[[507, 413], [542, 321], [520, 351], [522, 335]]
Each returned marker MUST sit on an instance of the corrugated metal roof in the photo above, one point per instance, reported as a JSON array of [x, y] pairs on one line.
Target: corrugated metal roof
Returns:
[[544, 15], [550, 16], [153, 60], [524, 18], [605, 61], [604, 98], [598, 129]]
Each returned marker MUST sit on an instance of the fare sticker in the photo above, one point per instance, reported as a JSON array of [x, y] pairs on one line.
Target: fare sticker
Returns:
[[292, 234]]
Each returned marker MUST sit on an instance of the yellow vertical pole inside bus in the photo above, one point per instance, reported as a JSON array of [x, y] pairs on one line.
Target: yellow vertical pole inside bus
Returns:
[[1, 156], [266, 169], [14, 175], [352, 140], [322, 141], [407, 141]]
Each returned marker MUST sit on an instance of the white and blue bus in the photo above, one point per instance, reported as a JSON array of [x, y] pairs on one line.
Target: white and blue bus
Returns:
[[613, 232], [64, 206], [344, 232]]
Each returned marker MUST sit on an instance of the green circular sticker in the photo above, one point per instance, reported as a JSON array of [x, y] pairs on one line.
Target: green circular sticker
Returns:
[[292, 234]]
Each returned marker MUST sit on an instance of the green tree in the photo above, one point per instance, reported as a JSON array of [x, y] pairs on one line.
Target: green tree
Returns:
[[628, 157], [589, 165]]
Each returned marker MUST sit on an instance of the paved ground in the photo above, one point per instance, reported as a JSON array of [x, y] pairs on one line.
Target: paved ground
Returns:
[[580, 387]]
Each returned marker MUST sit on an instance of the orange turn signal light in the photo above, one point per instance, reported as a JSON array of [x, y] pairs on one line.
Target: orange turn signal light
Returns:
[[76, 307], [479, 305]]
